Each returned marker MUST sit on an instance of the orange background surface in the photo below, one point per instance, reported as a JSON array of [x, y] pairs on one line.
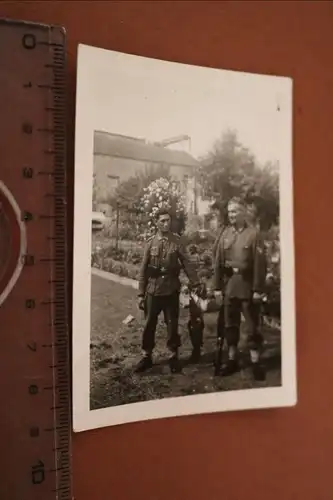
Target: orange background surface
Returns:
[[267, 454]]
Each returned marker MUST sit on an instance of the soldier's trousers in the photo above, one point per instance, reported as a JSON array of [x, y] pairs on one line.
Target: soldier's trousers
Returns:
[[220, 323], [155, 304], [233, 308]]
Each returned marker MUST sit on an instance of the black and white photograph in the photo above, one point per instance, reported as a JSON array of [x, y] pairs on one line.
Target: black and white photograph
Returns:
[[183, 265]]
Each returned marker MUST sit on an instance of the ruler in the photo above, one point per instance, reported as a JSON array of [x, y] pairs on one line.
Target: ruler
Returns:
[[35, 425]]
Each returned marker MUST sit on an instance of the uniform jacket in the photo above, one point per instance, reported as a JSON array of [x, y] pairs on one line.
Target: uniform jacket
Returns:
[[168, 256], [240, 263], [216, 242]]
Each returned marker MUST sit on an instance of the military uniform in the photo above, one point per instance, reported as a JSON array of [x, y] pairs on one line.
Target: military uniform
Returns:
[[240, 270], [220, 317], [159, 283], [217, 240]]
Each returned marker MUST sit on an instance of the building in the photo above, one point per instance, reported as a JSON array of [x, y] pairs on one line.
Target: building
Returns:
[[118, 157]]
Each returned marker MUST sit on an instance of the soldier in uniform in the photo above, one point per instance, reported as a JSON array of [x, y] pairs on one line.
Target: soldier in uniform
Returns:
[[240, 272], [220, 211], [159, 289]]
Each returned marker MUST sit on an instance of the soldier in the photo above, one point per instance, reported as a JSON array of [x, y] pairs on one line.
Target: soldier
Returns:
[[220, 211], [240, 270], [159, 289]]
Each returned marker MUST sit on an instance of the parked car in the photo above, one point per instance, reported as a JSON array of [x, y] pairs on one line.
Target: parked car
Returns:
[[98, 220]]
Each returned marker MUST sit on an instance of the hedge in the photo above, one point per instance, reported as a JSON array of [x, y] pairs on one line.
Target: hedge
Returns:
[[114, 266]]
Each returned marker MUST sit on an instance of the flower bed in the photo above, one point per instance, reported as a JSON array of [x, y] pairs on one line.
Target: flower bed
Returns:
[[126, 263], [131, 256], [114, 266]]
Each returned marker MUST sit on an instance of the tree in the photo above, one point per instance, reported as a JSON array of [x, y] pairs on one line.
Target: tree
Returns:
[[128, 193], [230, 170], [125, 200], [264, 194]]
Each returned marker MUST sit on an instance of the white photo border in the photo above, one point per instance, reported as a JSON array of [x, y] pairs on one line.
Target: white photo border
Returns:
[[90, 60]]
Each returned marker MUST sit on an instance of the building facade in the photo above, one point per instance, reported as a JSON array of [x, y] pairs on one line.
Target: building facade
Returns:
[[118, 157]]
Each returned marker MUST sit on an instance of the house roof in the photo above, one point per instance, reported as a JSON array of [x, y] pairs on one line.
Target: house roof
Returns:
[[138, 149]]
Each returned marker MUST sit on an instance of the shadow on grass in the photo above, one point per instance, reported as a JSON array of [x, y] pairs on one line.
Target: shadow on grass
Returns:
[[115, 351], [271, 362], [120, 385]]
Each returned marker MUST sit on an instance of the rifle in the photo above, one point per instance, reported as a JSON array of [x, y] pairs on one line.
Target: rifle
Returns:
[[198, 307], [195, 324], [219, 341]]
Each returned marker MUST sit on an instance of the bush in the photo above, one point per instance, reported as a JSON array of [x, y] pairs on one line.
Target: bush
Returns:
[[114, 266], [130, 256], [126, 231], [193, 237], [199, 237], [194, 223], [206, 260]]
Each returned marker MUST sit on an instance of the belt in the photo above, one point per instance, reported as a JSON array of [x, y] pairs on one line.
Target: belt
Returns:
[[158, 272], [231, 269]]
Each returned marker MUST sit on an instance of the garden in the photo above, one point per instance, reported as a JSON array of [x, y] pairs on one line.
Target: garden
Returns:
[[228, 170], [115, 348], [119, 247]]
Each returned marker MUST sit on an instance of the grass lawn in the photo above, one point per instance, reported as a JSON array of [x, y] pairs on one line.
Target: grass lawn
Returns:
[[116, 348]]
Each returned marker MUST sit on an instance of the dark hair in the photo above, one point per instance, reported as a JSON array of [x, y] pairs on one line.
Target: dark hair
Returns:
[[162, 211], [221, 206], [237, 201], [216, 205]]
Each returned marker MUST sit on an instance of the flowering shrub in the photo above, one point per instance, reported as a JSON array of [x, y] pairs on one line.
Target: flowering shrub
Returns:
[[273, 277], [164, 194]]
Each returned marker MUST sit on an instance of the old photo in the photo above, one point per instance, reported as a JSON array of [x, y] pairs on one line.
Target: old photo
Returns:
[[183, 285]]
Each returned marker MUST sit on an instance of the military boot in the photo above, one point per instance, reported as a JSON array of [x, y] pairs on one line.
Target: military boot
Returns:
[[144, 364], [258, 372], [195, 356], [229, 368], [174, 364]]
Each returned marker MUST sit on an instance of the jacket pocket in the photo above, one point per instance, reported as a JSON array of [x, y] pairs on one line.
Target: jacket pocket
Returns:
[[154, 252]]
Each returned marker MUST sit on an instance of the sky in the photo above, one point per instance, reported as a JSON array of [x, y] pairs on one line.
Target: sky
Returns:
[[155, 100]]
